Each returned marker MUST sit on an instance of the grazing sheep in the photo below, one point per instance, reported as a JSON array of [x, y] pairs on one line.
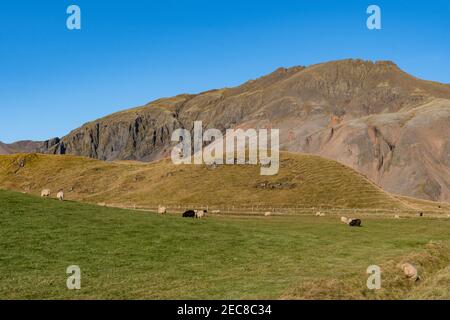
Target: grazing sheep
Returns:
[[162, 210], [345, 220], [60, 195], [200, 213], [410, 271], [355, 223], [396, 216], [215, 211], [45, 193], [268, 213], [318, 214], [189, 214]]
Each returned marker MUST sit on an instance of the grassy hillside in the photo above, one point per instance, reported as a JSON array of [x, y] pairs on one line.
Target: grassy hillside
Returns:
[[303, 180], [426, 205], [137, 255]]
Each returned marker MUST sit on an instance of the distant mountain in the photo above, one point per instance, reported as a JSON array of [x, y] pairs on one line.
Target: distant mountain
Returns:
[[25, 146], [4, 149], [371, 116]]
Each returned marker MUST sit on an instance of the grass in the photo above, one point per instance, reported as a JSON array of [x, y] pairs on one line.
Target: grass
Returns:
[[135, 255], [306, 181]]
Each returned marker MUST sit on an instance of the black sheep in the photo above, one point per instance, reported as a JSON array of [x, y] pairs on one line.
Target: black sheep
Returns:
[[355, 223], [189, 214]]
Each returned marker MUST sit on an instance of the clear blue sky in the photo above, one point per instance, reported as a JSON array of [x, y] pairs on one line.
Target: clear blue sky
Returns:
[[128, 53]]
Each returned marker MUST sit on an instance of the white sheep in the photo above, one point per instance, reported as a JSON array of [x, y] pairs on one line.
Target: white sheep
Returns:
[[200, 213], [345, 220], [268, 213], [410, 271], [60, 195], [162, 210], [45, 193]]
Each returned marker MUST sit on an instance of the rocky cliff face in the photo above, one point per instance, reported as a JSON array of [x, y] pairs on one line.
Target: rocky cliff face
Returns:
[[366, 115], [134, 135]]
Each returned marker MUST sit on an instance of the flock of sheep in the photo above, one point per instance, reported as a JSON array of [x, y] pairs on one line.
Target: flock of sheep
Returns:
[[189, 213], [408, 269], [202, 213], [195, 214], [46, 193]]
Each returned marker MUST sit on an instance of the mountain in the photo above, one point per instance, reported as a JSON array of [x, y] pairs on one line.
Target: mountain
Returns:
[[368, 115], [4, 149], [304, 181], [25, 146]]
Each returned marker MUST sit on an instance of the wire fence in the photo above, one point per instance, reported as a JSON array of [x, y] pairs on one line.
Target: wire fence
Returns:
[[262, 209]]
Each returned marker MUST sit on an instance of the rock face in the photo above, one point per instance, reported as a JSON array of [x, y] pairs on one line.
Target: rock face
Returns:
[[373, 117], [138, 135]]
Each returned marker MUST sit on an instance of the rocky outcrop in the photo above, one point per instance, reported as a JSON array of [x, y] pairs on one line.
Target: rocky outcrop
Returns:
[[313, 107], [138, 134]]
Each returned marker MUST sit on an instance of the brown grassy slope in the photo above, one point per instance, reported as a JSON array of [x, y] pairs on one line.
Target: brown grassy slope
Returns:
[[420, 204], [303, 180]]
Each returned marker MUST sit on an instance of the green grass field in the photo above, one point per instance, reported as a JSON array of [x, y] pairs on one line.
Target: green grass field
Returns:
[[136, 255]]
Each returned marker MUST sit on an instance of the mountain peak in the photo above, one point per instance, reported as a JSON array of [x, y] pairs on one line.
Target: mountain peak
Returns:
[[357, 64]]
